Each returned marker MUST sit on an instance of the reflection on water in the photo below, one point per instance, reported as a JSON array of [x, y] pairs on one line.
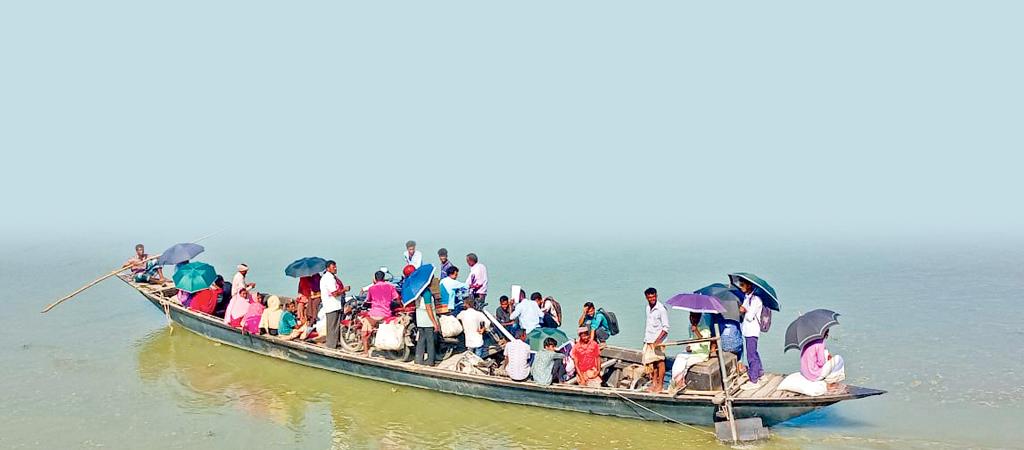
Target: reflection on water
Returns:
[[218, 379]]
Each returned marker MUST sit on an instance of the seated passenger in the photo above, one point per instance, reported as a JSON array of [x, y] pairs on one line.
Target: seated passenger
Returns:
[[552, 313], [586, 355], [289, 328], [517, 358], [380, 295], [817, 364], [271, 317], [205, 301], [474, 324], [692, 353], [528, 312], [596, 321], [237, 308], [731, 339], [548, 365], [504, 315], [144, 270], [251, 319]]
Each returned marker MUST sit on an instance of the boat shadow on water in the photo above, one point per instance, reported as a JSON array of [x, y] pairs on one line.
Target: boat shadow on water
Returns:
[[205, 377]]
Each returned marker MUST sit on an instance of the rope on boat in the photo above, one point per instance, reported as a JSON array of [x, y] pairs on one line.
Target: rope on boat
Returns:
[[167, 311], [663, 416]]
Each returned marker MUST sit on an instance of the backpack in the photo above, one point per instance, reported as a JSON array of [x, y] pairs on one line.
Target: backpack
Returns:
[[766, 319], [558, 309], [613, 322]]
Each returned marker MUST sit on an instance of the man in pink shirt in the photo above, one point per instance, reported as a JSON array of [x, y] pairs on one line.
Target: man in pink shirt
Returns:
[[381, 294], [477, 280]]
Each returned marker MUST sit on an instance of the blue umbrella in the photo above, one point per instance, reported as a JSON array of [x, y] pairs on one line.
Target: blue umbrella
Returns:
[[306, 267], [729, 298], [179, 253], [414, 285]]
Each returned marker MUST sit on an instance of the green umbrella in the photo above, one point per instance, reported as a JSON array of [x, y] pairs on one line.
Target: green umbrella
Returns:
[[194, 276], [772, 300], [537, 336]]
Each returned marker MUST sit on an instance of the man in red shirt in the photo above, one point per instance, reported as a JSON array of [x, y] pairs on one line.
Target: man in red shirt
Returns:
[[587, 356]]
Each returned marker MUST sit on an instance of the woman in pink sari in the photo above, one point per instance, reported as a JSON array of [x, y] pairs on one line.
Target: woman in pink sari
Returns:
[[237, 308], [251, 319]]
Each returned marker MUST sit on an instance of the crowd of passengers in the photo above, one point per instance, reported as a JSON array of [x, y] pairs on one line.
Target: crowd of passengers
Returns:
[[315, 313]]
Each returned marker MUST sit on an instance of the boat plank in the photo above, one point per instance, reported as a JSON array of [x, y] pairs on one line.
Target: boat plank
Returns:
[[771, 383]]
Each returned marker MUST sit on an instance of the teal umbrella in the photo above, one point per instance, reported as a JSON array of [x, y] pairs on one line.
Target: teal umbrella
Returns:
[[770, 299], [537, 336], [194, 276]]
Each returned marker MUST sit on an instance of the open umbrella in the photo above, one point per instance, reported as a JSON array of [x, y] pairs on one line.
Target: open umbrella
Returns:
[[729, 298], [537, 336], [306, 267], [770, 299], [194, 276], [414, 285], [696, 303], [808, 327], [179, 253]]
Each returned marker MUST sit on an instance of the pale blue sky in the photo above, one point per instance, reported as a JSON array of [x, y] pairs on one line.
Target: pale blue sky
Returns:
[[611, 118]]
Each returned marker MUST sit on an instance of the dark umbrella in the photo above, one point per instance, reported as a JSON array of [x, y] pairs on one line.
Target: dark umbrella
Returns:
[[729, 298], [770, 299], [696, 303], [179, 253], [306, 267], [808, 327]]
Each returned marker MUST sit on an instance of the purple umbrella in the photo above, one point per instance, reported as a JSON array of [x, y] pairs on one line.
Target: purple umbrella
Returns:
[[696, 303]]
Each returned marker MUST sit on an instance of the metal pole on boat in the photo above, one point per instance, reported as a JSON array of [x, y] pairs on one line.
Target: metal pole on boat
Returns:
[[725, 387]]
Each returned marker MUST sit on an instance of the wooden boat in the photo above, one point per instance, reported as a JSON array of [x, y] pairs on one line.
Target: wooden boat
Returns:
[[697, 408]]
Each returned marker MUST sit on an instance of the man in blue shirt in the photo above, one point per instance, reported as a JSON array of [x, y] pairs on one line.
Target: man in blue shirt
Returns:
[[597, 322]]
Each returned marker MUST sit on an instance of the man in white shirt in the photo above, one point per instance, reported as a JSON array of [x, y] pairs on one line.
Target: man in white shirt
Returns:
[[238, 281], [412, 256], [474, 323], [332, 294], [517, 358], [751, 329], [528, 313], [655, 332]]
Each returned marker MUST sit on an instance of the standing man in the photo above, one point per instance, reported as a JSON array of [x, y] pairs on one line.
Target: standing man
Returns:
[[426, 323], [655, 333], [477, 280], [332, 291], [238, 281], [412, 256], [751, 329], [442, 255]]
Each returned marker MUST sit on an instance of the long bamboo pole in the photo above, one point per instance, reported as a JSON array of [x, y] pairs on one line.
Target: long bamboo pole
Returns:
[[104, 277], [725, 389]]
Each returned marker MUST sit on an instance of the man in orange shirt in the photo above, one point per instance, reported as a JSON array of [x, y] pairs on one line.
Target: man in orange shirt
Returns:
[[587, 357]]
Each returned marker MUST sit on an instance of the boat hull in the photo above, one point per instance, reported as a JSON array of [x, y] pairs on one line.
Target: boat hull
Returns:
[[606, 402]]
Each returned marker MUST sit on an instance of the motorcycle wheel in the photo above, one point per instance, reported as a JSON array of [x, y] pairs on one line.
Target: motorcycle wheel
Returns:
[[350, 339]]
